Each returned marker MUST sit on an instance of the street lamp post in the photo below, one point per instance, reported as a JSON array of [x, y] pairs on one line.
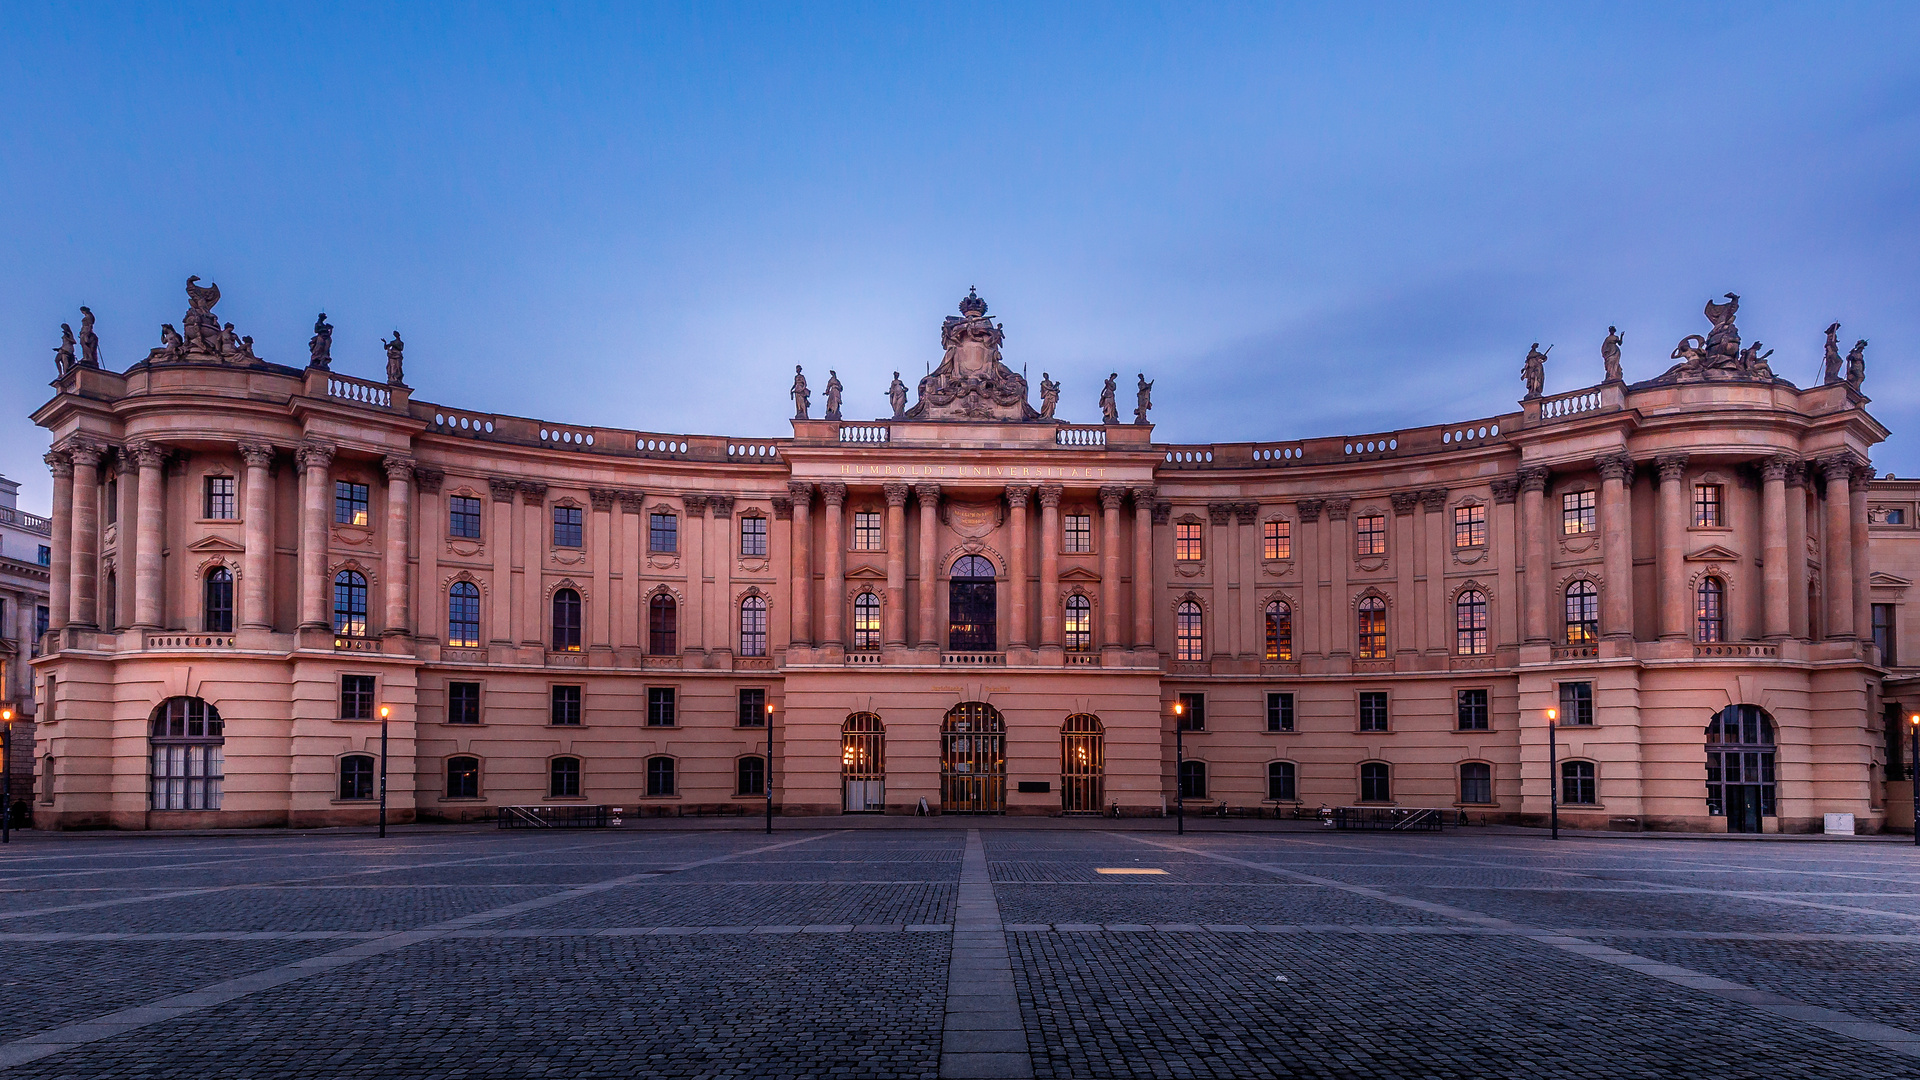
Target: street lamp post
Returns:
[[1913, 776], [1179, 768], [384, 712], [766, 774], [6, 776], [1553, 769]]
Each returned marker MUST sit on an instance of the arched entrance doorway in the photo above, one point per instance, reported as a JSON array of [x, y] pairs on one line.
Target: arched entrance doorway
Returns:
[[1740, 783], [973, 760], [1083, 764], [863, 764], [971, 606]]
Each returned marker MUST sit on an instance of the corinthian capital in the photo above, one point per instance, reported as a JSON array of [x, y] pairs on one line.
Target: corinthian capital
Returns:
[[256, 455], [1533, 479], [147, 455], [1775, 467], [1112, 496], [315, 455], [1050, 495], [927, 494], [1616, 467], [1672, 468], [1839, 467], [1017, 495], [399, 469], [84, 451], [834, 494], [59, 464], [896, 494]]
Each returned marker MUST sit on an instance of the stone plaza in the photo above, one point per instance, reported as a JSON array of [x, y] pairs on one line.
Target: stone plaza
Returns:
[[925, 950]]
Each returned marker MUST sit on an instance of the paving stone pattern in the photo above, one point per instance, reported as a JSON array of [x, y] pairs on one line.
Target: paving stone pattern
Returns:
[[827, 951]]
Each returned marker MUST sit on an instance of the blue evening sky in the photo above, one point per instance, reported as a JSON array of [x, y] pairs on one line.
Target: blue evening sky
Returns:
[[1300, 220]]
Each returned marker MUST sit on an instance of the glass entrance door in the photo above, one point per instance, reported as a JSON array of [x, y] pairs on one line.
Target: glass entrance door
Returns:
[[973, 760], [971, 606], [1083, 764]]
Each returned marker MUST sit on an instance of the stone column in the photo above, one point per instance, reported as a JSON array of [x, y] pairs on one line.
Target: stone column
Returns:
[[601, 552], [86, 532], [1436, 556], [1616, 536], [693, 555], [633, 562], [1019, 622], [149, 532], [834, 600], [1402, 555], [1533, 525], [1797, 613], [928, 496], [1776, 581], [1309, 554], [1143, 503], [1862, 563], [399, 531], [802, 544], [1839, 583], [430, 524], [1111, 497], [505, 613], [1671, 525], [894, 628], [316, 463], [256, 563], [61, 571], [533, 608], [1050, 495], [1341, 638]]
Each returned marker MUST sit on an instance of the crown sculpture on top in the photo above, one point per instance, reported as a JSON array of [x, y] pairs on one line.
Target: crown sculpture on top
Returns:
[[971, 383], [204, 339]]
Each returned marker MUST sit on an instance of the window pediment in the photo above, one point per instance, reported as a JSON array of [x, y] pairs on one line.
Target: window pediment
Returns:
[[1713, 553]]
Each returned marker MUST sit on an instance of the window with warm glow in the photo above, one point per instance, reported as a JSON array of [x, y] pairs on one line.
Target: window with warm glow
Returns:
[[1186, 541], [867, 531], [1707, 506], [1372, 633], [1279, 630], [866, 621], [1187, 643], [1583, 613], [1710, 620], [349, 503], [1076, 533], [1277, 540], [1470, 623], [1576, 513], [1370, 535], [1079, 628], [1469, 526]]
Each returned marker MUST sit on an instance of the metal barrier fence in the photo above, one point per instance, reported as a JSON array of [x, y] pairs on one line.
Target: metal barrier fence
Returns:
[[1394, 818], [555, 817]]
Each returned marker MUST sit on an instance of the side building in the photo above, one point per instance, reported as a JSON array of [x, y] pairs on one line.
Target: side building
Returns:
[[26, 555], [970, 606]]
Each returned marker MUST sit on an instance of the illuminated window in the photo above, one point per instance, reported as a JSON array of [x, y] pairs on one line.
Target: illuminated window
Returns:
[[463, 777], [1370, 535], [1279, 630], [866, 531], [566, 621], [463, 517], [1583, 613], [349, 503], [1576, 513], [1077, 533], [1469, 526], [1186, 541], [866, 621], [463, 614], [220, 498], [753, 626], [1707, 506], [349, 604], [1470, 623], [1709, 616], [1187, 627], [1276, 541], [1079, 629], [753, 535], [1372, 637]]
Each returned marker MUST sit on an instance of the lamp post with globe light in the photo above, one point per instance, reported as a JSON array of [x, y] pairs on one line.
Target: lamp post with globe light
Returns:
[[1179, 768], [384, 713], [1553, 769]]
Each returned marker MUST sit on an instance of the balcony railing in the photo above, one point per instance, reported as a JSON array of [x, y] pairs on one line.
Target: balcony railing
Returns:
[[348, 388], [23, 520], [973, 659]]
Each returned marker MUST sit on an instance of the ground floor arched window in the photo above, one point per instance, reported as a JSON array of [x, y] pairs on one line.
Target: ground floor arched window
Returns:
[[357, 776], [1740, 767], [189, 755], [1083, 764], [863, 763], [973, 760], [1375, 782]]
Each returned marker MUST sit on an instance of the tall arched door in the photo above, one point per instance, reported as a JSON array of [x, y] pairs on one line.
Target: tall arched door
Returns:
[[973, 760], [1083, 764], [971, 606], [1740, 778], [863, 764]]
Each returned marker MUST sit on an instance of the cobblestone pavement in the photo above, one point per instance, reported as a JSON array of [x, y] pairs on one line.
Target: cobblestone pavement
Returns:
[[824, 951]]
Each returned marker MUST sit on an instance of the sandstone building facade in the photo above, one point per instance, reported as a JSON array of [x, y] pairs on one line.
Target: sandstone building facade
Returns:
[[971, 605]]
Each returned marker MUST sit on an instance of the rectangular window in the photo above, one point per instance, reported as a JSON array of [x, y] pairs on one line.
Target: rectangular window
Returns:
[[1707, 506], [1476, 782], [1576, 703], [1896, 516], [463, 703], [463, 517], [349, 503], [753, 536], [1370, 535], [660, 706], [1276, 541], [753, 707], [1576, 513], [566, 526], [1078, 534], [752, 774], [45, 557], [1193, 712], [1186, 541], [356, 697], [219, 498], [663, 533], [565, 706], [1373, 710], [1883, 633], [1469, 526], [866, 531], [1279, 711], [113, 500], [1472, 708], [42, 622]]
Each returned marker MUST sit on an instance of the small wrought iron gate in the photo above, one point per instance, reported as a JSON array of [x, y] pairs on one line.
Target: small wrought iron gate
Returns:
[[973, 760], [971, 606], [863, 764], [1083, 764]]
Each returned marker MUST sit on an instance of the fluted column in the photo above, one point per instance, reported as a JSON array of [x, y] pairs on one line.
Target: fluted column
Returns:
[[1436, 554], [533, 559], [602, 553], [1019, 624], [1671, 525], [1862, 562], [1616, 533], [1050, 565], [1839, 583], [1533, 518], [430, 532], [316, 464], [149, 533], [256, 563], [1143, 499], [834, 600], [1776, 581], [928, 496], [894, 623], [503, 617], [399, 528], [60, 584], [802, 631], [1111, 497], [84, 577], [1798, 617]]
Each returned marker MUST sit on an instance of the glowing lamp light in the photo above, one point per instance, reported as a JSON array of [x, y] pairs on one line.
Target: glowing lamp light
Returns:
[[1552, 715], [385, 712]]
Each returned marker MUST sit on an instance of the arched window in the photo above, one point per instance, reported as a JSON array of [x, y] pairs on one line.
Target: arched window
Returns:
[[863, 763], [1188, 640], [750, 775], [1576, 783], [563, 778], [973, 760], [753, 626], [1079, 629], [1740, 757], [663, 626], [217, 610], [1470, 623], [566, 620], [189, 755], [1583, 613], [1375, 782], [1280, 782], [1709, 616], [866, 621], [1279, 630], [660, 775], [463, 777], [1373, 629], [972, 606], [1193, 779], [463, 614], [356, 776], [1476, 782], [349, 604], [1083, 764]]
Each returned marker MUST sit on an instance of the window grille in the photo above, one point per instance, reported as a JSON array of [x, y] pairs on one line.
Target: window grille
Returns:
[[1077, 535], [660, 776], [1187, 541], [1279, 630], [1370, 535], [1375, 782], [1576, 783], [349, 604], [564, 706], [1470, 707], [753, 626], [1279, 710], [1373, 629], [218, 606], [866, 621], [1583, 613], [661, 706], [463, 703], [866, 531], [1193, 779], [1277, 540], [751, 776], [463, 517], [1710, 620], [1189, 645], [753, 707], [356, 697], [220, 502], [753, 535], [463, 614], [1079, 628], [1576, 703], [1707, 506], [1280, 782], [663, 533], [1469, 526], [356, 776], [1470, 623], [1476, 782], [1576, 513], [566, 620], [189, 754], [564, 778]]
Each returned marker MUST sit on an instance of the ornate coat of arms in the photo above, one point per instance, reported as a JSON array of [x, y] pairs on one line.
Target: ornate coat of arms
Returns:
[[971, 383]]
